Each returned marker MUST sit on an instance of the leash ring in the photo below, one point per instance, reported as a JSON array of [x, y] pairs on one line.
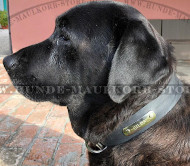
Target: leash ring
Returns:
[[98, 145]]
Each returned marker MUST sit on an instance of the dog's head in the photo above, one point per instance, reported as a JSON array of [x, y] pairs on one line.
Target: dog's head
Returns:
[[99, 43]]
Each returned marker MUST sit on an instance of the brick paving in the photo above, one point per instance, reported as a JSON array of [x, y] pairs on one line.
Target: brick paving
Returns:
[[35, 134]]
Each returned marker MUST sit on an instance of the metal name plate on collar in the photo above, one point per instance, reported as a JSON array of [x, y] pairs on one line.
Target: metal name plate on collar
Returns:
[[100, 147], [139, 124]]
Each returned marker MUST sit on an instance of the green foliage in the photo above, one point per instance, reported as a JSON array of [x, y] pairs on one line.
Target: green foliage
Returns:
[[3, 18]]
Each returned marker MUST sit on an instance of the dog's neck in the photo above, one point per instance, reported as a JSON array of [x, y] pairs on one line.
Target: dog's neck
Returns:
[[82, 108], [84, 115]]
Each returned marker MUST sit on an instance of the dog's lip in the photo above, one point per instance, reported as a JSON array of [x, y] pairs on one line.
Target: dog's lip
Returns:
[[22, 80]]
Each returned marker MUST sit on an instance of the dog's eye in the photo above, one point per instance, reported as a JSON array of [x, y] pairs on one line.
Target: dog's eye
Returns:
[[64, 37]]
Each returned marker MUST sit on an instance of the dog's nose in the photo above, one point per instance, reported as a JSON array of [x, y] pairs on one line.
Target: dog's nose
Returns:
[[9, 62]]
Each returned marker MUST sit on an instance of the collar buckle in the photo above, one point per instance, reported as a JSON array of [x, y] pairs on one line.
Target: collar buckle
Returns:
[[100, 147]]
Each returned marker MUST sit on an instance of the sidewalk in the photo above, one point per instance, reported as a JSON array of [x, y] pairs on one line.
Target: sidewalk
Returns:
[[183, 70], [4, 42]]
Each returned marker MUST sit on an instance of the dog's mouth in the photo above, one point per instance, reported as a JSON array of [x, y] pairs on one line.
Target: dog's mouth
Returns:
[[29, 87]]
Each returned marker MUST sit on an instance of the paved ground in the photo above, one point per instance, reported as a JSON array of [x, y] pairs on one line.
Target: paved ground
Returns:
[[4, 42], [36, 134]]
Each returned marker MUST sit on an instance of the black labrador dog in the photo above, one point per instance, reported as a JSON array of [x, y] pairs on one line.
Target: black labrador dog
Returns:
[[97, 46]]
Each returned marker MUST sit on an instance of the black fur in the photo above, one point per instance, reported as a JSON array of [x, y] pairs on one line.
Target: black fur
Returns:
[[107, 44]]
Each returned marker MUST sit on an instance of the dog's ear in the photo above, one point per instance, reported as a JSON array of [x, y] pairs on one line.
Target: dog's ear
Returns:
[[139, 60]]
